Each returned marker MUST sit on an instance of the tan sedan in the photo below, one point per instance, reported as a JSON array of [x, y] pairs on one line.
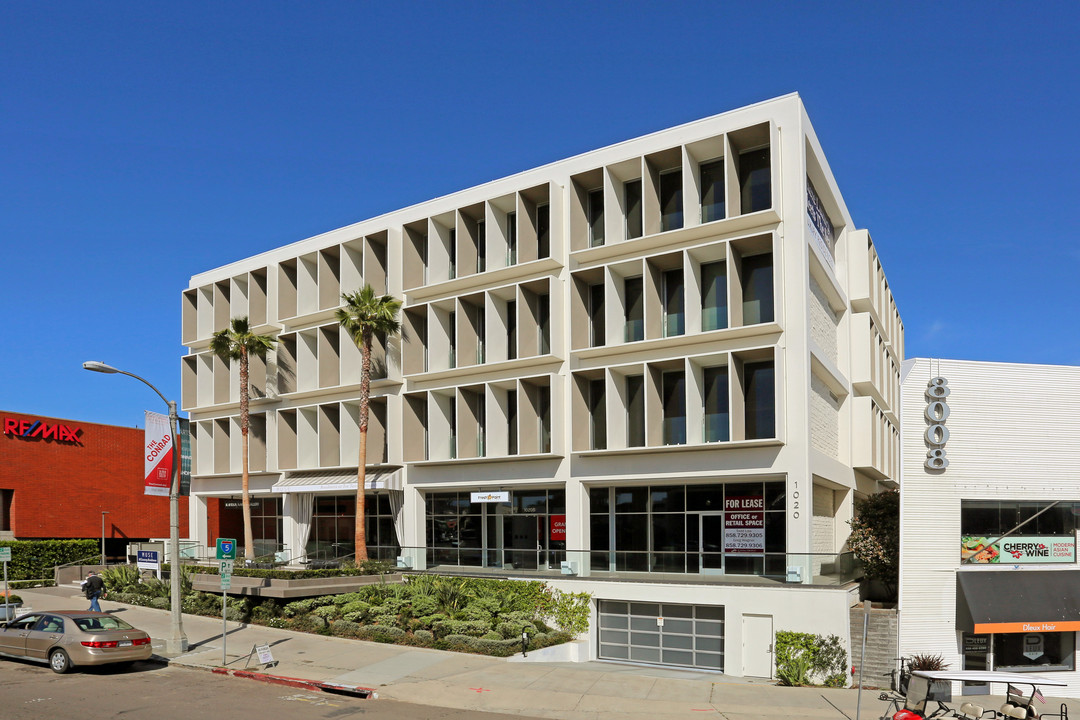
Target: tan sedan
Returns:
[[68, 638]]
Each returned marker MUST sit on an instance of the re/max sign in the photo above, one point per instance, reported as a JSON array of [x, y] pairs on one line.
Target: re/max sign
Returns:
[[38, 429]]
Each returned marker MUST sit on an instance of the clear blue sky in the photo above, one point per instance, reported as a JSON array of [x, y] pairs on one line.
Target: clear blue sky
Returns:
[[142, 143]]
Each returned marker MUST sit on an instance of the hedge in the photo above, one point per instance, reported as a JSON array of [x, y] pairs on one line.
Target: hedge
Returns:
[[35, 559]]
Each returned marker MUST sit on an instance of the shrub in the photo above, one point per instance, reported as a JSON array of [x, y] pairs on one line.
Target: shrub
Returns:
[[570, 611], [9, 597], [265, 611], [35, 559], [355, 606], [425, 636], [875, 538], [311, 623], [161, 603], [423, 605], [928, 662], [802, 657], [344, 628], [470, 628], [121, 578], [380, 633], [330, 612]]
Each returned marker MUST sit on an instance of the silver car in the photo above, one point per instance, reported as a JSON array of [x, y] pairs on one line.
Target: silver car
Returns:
[[69, 638]]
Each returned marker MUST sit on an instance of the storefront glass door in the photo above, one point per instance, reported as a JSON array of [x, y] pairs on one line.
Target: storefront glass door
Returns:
[[712, 543]]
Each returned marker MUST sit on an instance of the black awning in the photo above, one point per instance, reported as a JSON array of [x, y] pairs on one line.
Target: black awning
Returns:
[[1018, 601]]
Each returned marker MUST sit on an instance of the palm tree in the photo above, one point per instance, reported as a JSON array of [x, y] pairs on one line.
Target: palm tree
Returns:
[[237, 342], [365, 314]]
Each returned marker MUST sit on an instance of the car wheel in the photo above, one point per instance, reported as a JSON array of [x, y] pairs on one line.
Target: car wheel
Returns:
[[59, 661]]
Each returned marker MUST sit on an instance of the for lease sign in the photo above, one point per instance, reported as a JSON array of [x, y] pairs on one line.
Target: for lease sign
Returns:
[[744, 524]]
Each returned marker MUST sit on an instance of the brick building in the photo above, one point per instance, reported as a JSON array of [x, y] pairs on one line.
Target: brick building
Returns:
[[58, 476]]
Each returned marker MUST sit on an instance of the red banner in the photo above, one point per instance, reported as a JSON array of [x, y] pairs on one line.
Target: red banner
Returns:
[[158, 454], [558, 527]]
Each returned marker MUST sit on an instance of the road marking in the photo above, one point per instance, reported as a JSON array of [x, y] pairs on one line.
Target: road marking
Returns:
[[313, 699], [480, 690]]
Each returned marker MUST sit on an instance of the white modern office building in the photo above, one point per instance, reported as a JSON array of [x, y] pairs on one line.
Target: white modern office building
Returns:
[[659, 372], [990, 509]]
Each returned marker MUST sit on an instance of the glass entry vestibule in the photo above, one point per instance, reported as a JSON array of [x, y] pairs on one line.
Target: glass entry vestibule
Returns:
[[526, 531]]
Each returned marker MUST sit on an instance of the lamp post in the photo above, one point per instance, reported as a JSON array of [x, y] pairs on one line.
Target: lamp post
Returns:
[[178, 642], [103, 514]]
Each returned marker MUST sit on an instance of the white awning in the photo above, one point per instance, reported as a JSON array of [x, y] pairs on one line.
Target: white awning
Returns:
[[307, 482]]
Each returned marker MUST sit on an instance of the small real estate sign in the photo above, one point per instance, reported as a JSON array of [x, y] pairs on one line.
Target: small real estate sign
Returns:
[[149, 560], [1018, 549]]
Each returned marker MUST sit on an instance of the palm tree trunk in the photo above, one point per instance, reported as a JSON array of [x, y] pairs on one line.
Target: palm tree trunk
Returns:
[[361, 470], [249, 542]]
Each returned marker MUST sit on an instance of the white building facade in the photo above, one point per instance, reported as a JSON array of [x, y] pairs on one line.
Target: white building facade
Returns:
[[990, 508], [659, 372]]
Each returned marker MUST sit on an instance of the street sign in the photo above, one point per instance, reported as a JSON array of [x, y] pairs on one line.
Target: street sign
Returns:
[[226, 582], [226, 548], [5, 554], [225, 567]]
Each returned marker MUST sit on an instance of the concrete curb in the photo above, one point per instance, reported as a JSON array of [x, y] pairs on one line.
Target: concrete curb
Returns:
[[299, 683]]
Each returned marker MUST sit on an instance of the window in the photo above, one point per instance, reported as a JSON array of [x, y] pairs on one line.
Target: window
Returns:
[[597, 415], [543, 323], [635, 309], [543, 410], [1034, 652], [453, 253], [632, 197], [451, 336], [543, 231], [760, 394], [596, 315], [982, 522], [333, 527], [685, 528], [671, 205], [755, 180], [6, 497], [481, 246], [674, 389], [635, 411], [712, 191], [481, 336], [481, 428], [716, 404], [674, 304], [453, 428], [511, 238], [511, 329], [714, 296], [757, 289], [511, 423], [596, 217]]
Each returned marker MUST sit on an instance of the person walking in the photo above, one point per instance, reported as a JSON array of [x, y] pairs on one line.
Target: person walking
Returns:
[[94, 588]]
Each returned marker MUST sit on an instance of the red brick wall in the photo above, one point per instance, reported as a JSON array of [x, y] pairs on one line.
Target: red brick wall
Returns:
[[60, 488]]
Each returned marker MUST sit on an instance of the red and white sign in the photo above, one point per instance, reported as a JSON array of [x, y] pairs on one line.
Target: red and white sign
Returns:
[[158, 453], [558, 527], [38, 429], [744, 524]]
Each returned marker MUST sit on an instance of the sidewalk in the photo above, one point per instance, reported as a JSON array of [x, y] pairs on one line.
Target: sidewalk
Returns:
[[575, 691]]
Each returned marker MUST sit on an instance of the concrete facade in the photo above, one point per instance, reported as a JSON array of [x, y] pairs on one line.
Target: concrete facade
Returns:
[[608, 339]]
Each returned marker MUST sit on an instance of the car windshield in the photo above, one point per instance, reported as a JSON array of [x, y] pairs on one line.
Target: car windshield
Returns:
[[97, 624]]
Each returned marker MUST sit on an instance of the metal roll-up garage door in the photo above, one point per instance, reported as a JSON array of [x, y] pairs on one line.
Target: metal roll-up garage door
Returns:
[[662, 633]]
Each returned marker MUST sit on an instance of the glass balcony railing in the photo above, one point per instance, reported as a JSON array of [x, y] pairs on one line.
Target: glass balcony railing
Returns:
[[827, 569]]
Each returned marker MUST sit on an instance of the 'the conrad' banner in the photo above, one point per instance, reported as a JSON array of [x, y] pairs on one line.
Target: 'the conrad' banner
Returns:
[[158, 453]]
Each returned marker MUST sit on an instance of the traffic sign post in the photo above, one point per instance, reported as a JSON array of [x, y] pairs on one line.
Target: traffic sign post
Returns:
[[225, 547], [5, 557]]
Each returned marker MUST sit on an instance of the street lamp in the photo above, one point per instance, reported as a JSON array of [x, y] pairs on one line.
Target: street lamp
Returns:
[[178, 643], [103, 514]]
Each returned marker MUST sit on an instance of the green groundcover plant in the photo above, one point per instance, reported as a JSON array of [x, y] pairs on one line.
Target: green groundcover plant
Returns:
[[475, 615]]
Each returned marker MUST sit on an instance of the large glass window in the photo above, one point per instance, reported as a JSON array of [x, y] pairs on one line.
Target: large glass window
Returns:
[[596, 217], [757, 271], [712, 191], [717, 424], [596, 315], [1034, 652], [597, 415], [760, 394], [635, 309], [453, 253], [671, 200], [674, 303], [632, 196], [635, 411], [674, 389], [511, 423], [716, 528], [333, 527], [755, 180], [543, 409], [714, 315], [451, 332]]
